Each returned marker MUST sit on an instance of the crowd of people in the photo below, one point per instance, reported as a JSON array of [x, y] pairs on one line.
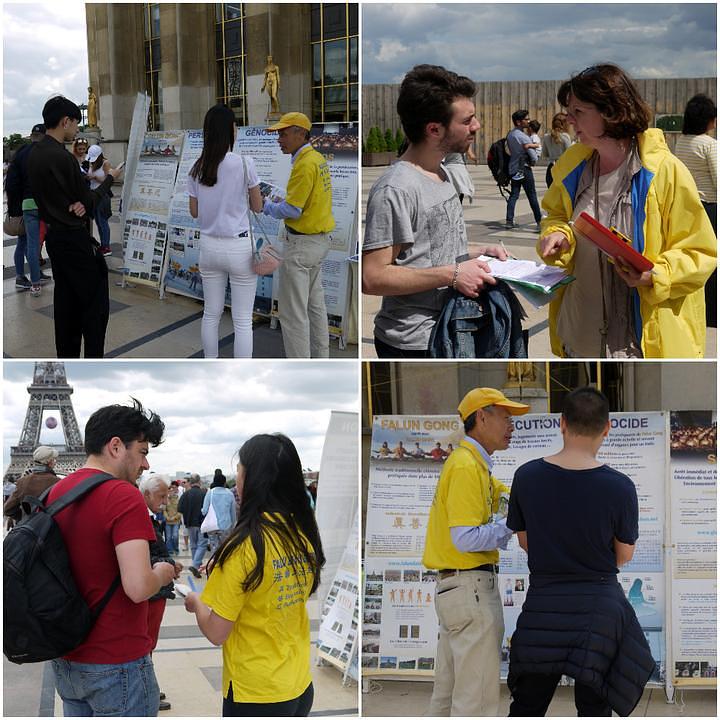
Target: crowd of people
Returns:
[[122, 542], [57, 193], [617, 169]]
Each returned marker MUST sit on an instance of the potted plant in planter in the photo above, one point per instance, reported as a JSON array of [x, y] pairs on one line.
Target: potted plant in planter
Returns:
[[376, 151]]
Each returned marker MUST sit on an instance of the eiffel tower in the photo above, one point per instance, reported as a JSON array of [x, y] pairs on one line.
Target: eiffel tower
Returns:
[[49, 391]]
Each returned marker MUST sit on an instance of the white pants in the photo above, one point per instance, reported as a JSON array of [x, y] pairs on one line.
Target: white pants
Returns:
[[220, 259], [301, 298]]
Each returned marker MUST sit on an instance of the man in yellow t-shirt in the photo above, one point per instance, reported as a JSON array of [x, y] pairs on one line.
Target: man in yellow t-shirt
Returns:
[[462, 542], [307, 212]]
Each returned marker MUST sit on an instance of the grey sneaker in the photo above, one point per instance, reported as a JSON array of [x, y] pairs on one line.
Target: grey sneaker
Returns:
[[44, 277], [509, 224], [35, 290], [22, 283]]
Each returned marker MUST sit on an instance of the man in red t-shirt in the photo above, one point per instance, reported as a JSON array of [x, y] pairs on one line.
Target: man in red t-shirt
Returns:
[[107, 532]]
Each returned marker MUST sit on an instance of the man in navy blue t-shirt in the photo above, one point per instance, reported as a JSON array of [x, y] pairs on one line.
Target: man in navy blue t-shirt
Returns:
[[577, 519]]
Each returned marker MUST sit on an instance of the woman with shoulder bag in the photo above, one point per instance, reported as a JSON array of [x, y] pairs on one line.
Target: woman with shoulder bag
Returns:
[[223, 187]]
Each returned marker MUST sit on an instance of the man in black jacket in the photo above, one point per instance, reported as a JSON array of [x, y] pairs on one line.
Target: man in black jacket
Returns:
[[21, 204], [190, 505], [577, 519], [81, 301]]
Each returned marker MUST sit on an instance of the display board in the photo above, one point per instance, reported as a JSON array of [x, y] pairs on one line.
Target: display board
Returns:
[[337, 517], [146, 214], [339, 144], [399, 620], [693, 498], [338, 635]]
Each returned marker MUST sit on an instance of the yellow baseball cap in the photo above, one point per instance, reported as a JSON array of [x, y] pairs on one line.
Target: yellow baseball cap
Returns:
[[482, 397], [292, 118]]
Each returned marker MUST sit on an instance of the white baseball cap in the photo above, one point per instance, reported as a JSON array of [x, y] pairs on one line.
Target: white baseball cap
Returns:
[[94, 153]]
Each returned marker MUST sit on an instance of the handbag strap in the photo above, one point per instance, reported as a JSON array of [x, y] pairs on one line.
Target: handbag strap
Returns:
[[249, 211]]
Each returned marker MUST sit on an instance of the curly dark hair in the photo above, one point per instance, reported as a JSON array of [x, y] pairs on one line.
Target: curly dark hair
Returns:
[[426, 95], [615, 95]]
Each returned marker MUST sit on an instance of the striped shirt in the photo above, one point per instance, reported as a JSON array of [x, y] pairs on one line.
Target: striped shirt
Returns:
[[699, 154]]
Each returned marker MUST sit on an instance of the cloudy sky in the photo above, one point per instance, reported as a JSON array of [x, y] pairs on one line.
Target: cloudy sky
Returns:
[[492, 41], [209, 408], [44, 54]]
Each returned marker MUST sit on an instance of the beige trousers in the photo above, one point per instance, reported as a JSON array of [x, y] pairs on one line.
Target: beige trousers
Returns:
[[301, 298], [467, 665]]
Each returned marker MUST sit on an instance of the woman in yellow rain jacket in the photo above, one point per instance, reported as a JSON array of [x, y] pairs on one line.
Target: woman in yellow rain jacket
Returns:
[[623, 174]]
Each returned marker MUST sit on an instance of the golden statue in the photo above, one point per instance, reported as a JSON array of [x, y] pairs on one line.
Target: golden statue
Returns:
[[92, 108], [520, 373], [272, 83]]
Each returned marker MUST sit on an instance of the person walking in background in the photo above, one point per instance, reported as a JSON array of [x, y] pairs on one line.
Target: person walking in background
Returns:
[[555, 143], [698, 151], [307, 212], [577, 520], [266, 644], [223, 187], [20, 202], [623, 174], [223, 504], [172, 519], [81, 303], [190, 505], [97, 172], [155, 493], [521, 176]]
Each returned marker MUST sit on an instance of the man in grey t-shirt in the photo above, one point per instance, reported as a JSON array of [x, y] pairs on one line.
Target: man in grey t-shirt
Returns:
[[518, 143], [415, 244]]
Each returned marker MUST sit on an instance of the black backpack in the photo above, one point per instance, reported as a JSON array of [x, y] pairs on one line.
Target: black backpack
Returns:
[[44, 614], [498, 161]]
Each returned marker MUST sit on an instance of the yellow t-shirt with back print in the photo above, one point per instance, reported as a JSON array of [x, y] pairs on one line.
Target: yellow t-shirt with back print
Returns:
[[267, 654]]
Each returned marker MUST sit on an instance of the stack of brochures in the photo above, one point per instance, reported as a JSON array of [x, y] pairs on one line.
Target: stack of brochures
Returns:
[[534, 281]]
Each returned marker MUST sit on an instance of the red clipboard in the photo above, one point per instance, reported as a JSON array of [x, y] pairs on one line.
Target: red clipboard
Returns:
[[612, 242]]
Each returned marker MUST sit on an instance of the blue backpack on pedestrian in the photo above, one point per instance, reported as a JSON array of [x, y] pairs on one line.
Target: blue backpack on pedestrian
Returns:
[[44, 614]]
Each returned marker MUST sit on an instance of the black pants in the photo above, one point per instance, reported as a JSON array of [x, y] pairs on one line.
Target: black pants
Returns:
[[299, 707], [528, 184], [81, 297], [532, 694], [384, 351], [711, 284]]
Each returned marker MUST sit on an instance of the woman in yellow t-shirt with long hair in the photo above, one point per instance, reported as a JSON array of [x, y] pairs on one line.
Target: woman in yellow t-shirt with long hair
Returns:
[[259, 581]]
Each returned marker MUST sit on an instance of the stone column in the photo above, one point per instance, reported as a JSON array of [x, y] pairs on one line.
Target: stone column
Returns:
[[115, 60], [187, 51]]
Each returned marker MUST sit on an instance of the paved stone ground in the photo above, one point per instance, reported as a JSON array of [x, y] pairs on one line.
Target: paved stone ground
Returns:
[[141, 324], [189, 672], [485, 221], [393, 698]]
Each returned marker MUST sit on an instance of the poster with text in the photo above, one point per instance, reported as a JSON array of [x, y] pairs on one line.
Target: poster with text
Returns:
[[693, 526], [146, 215], [337, 637], [406, 459]]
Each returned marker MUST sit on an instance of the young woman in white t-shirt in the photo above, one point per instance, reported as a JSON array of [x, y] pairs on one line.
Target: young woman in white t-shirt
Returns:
[[219, 197]]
